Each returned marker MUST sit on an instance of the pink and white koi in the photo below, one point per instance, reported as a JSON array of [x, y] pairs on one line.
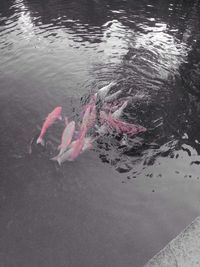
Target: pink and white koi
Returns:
[[67, 155], [78, 145], [89, 117], [85, 119], [92, 101], [121, 126]]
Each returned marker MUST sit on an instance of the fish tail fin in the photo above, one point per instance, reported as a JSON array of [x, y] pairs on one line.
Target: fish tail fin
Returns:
[[57, 158], [111, 84], [66, 121], [90, 146], [70, 159], [54, 158], [40, 141]]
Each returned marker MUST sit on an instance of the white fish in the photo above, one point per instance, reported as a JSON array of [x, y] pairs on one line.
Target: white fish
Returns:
[[117, 114], [67, 137], [66, 156], [105, 90], [113, 97]]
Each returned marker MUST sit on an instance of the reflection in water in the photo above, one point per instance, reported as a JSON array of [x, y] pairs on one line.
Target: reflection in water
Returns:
[[24, 21], [115, 41], [167, 51]]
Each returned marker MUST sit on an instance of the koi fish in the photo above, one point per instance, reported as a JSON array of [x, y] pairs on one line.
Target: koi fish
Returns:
[[105, 90], [78, 146], [103, 116], [89, 117], [87, 144], [121, 126], [117, 114], [103, 129], [114, 105], [110, 107], [113, 97], [86, 117], [50, 119], [66, 137], [92, 117], [65, 156], [66, 121], [92, 101]]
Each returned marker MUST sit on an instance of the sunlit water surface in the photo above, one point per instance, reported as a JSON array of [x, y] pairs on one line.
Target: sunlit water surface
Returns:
[[120, 203]]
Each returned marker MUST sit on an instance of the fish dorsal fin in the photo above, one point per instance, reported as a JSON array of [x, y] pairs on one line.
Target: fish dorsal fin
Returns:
[[66, 121]]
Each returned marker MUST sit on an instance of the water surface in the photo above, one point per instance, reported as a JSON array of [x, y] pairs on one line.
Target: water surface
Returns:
[[122, 202]]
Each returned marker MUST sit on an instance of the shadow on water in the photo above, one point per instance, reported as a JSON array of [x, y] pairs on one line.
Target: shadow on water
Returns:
[[93, 212]]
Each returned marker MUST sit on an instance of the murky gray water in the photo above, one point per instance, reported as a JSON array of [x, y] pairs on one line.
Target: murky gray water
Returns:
[[118, 204]]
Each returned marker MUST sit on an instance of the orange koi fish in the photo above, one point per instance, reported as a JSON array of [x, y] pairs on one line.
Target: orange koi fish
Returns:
[[121, 126], [50, 119], [89, 116]]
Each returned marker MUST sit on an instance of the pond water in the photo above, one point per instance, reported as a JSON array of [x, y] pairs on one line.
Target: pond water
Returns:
[[120, 203]]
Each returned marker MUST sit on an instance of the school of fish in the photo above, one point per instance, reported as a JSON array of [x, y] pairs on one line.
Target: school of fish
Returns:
[[101, 109]]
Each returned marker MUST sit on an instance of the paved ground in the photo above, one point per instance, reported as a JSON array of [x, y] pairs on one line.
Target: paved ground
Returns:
[[183, 251]]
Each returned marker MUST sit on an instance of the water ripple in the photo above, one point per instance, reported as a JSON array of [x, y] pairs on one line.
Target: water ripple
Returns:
[[144, 47]]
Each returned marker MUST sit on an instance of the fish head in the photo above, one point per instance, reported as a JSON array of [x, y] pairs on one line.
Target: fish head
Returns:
[[103, 115], [93, 99], [57, 112]]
